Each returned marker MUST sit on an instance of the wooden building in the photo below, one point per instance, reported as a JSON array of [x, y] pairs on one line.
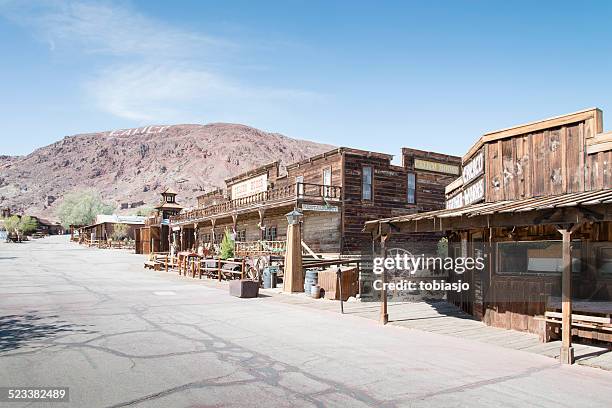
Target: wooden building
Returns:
[[47, 227], [337, 192], [155, 235], [102, 229], [535, 201]]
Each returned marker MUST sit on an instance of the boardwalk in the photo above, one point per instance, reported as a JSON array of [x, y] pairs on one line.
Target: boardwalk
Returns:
[[118, 335], [444, 318]]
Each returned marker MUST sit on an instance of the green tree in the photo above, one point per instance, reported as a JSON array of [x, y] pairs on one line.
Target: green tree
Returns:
[[227, 246], [20, 225], [81, 208], [11, 224], [27, 225], [120, 231]]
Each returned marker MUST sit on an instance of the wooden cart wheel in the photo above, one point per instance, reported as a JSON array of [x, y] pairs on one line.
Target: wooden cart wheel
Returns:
[[251, 268]]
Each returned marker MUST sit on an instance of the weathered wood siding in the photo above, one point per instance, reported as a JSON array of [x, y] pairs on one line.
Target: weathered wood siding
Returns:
[[321, 231], [389, 197], [312, 171], [430, 184], [513, 301], [546, 162]]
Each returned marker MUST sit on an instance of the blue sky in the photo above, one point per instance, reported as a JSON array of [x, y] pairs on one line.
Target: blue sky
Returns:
[[372, 75]]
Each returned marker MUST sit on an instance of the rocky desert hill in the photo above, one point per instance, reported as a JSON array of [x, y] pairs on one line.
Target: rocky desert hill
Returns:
[[135, 165]]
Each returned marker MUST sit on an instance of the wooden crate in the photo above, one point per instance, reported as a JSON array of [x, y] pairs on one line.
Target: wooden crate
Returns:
[[329, 283]]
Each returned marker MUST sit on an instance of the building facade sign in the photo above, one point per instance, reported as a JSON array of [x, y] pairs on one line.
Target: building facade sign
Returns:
[[421, 164], [455, 201], [474, 193], [320, 208], [473, 168], [249, 187]]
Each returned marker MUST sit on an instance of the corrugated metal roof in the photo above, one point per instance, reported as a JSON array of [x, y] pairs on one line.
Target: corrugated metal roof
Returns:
[[119, 219], [514, 206]]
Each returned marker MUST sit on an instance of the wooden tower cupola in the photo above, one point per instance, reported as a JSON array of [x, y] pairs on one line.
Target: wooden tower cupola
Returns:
[[168, 196]]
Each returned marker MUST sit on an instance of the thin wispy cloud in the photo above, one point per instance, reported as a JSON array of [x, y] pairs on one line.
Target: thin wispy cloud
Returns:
[[146, 92], [108, 29], [151, 71]]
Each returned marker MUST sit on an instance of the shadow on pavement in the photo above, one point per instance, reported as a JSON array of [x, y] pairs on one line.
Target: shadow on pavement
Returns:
[[18, 331]]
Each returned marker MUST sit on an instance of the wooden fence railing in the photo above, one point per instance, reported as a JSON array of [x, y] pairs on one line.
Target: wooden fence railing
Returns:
[[250, 248], [296, 191]]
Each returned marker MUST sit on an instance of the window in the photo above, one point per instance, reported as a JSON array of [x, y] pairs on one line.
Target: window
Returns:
[[534, 258], [218, 236], [241, 235], [270, 234], [604, 260], [326, 181], [366, 183], [299, 181], [411, 188]]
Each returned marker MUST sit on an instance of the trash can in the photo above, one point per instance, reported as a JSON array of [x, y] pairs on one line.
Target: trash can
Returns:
[[311, 278], [270, 274]]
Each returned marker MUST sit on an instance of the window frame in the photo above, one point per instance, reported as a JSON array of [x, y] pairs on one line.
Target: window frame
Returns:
[[577, 247], [268, 233], [371, 183], [414, 198]]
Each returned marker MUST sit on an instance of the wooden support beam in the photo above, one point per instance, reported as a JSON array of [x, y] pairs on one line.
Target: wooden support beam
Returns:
[[181, 239], [234, 222], [567, 351], [195, 236], [384, 313], [262, 229]]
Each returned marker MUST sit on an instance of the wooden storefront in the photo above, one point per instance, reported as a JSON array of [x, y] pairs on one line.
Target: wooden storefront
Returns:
[[535, 201], [336, 191], [102, 229], [155, 236]]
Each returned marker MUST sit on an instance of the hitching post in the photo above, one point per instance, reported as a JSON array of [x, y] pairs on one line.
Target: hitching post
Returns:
[[339, 278]]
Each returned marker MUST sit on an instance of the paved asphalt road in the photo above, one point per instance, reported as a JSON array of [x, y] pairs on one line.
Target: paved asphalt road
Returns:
[[117, 335]]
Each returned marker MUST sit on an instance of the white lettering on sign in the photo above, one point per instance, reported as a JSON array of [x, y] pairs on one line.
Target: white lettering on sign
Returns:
[[322, 208], [386, 172], [473, 168], [455, 201], [436, 166], [474, 193], [251, 186], [147, 130]]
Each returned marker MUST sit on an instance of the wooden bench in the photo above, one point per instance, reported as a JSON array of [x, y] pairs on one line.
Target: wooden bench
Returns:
[[152, 265], [157, 261], [590, 319]]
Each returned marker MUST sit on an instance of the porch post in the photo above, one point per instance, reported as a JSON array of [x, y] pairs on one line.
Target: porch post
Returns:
[[567, 351], [384, 315], [262, 230], [293, 280], [181, 238], [212, 233], [170, 235]]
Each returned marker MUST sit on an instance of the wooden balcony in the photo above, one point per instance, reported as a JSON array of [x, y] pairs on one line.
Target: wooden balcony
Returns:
[[153, 221], [285, 194]]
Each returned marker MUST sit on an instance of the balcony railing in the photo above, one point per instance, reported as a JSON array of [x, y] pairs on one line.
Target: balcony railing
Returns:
[[156, 220], [291, 191], [255, 248]]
